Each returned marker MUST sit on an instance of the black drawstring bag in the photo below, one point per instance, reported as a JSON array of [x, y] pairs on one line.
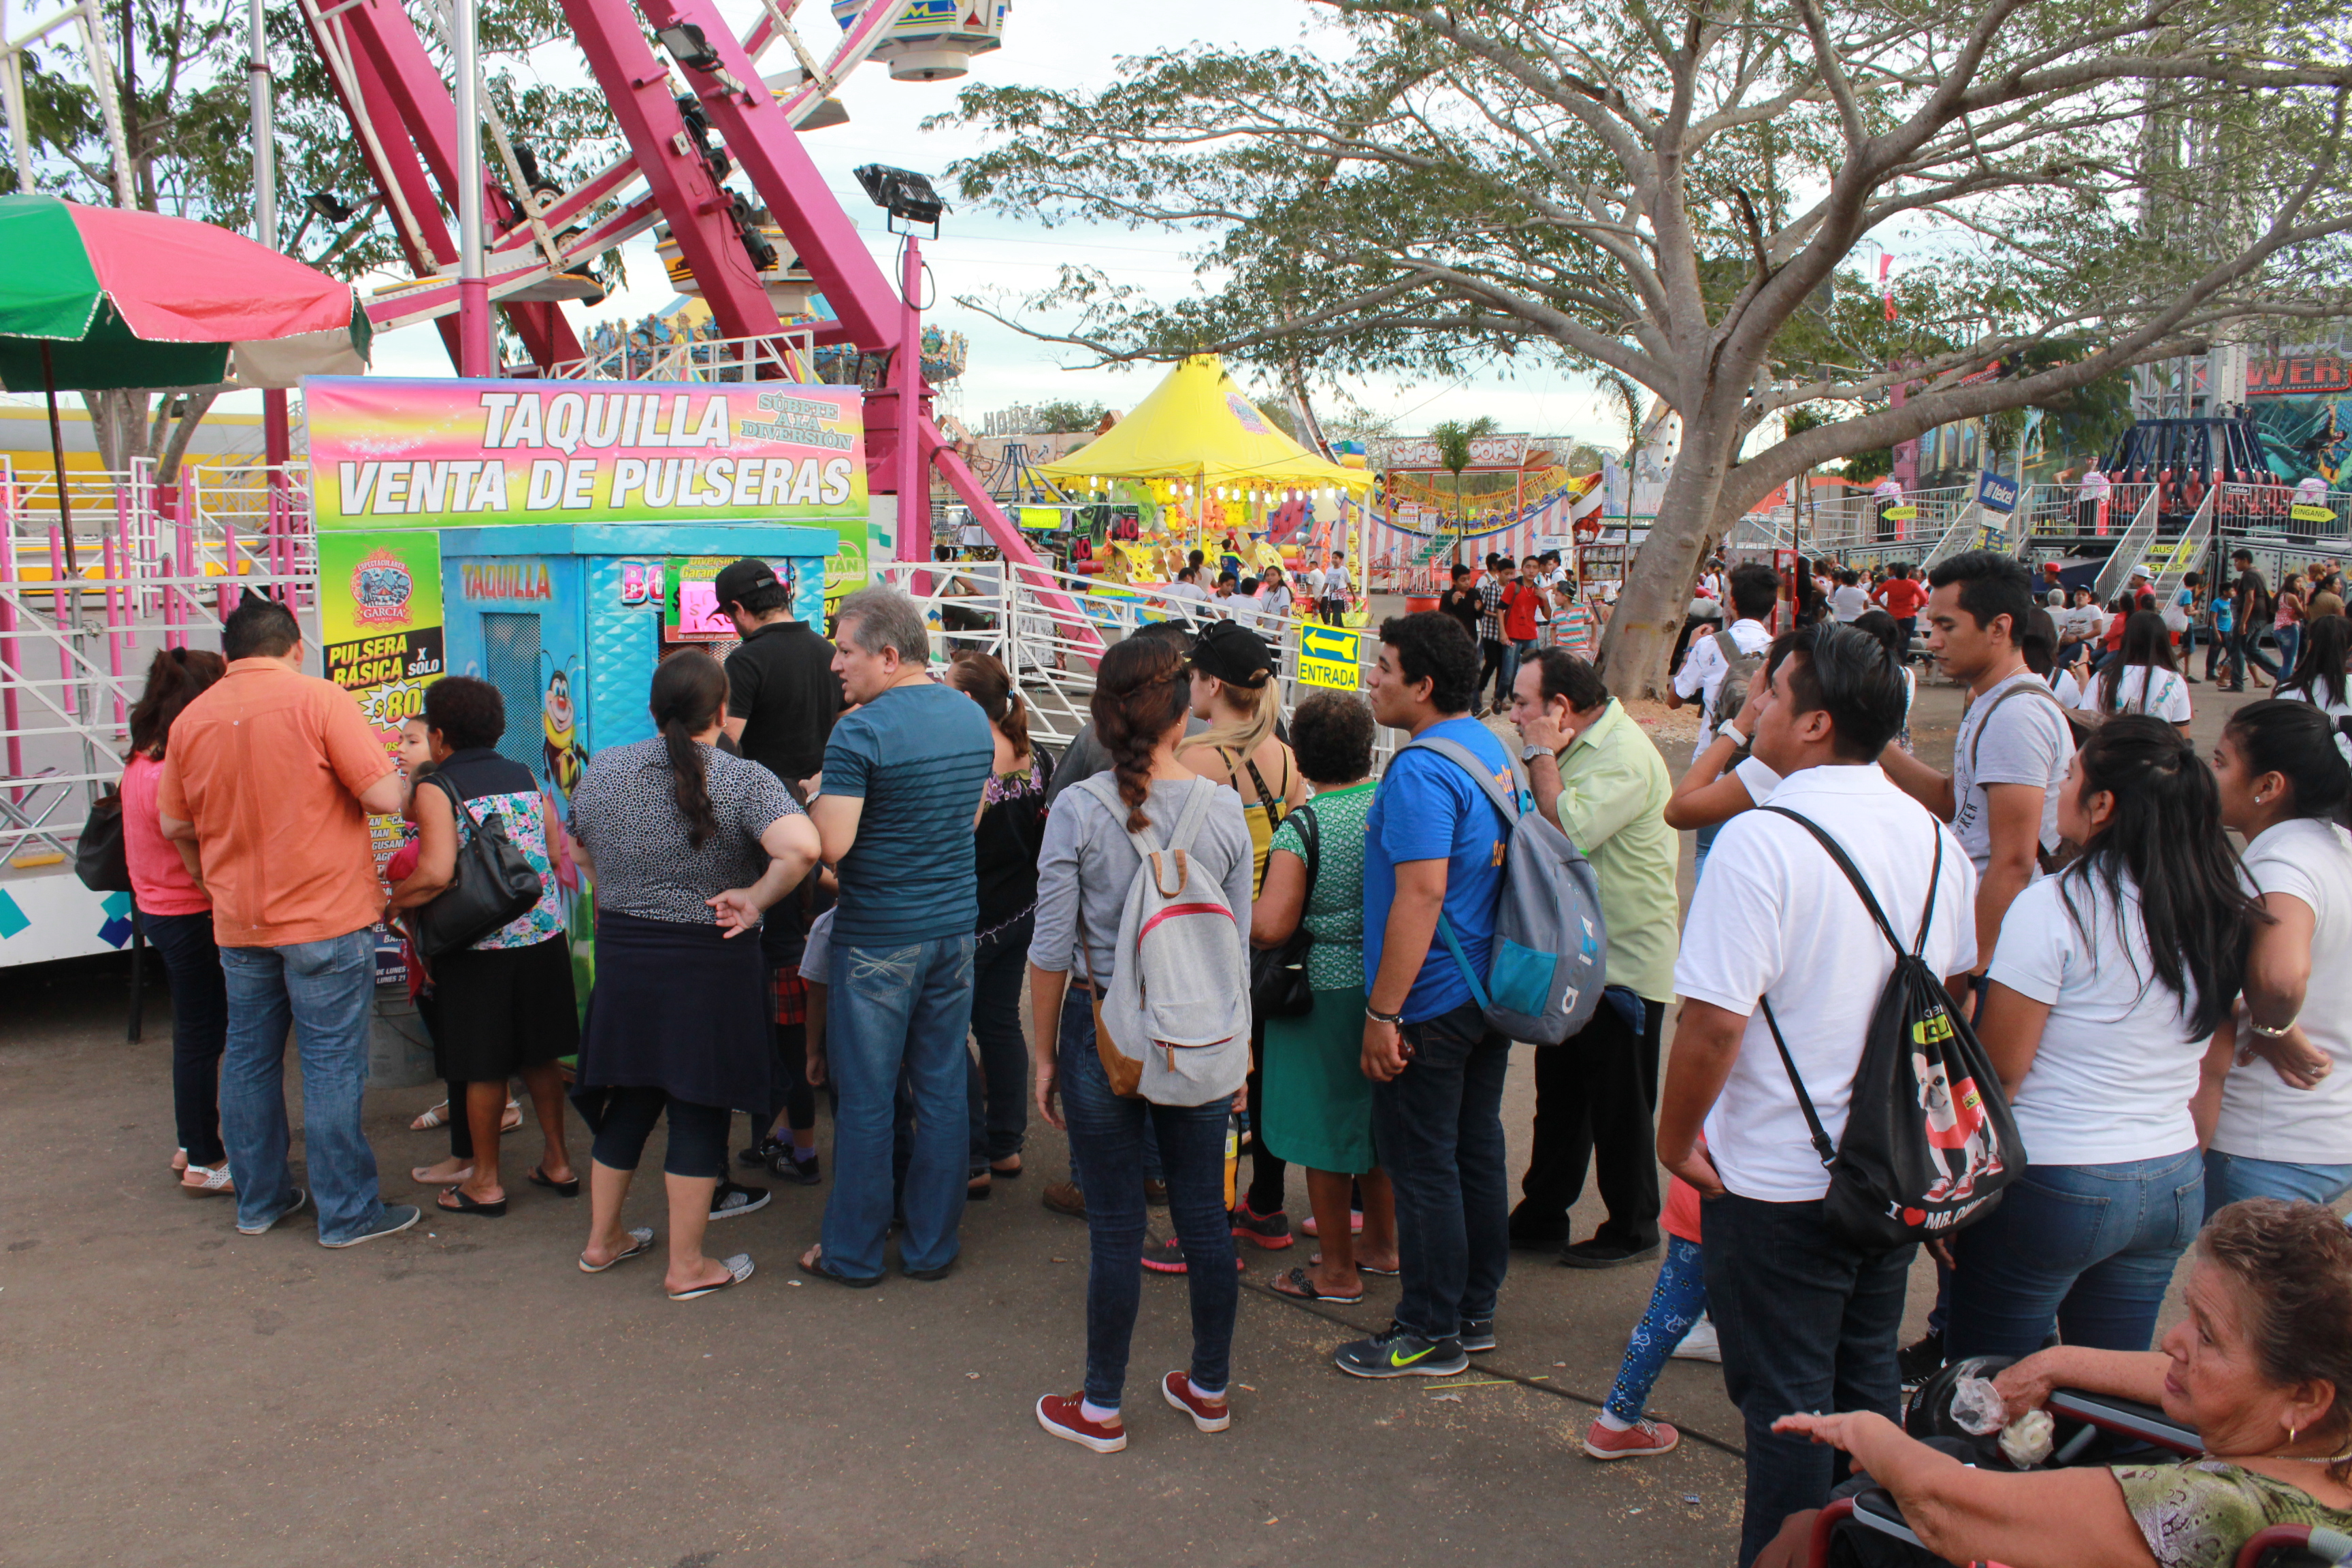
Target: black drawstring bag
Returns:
[[492, 885], [1929, 1142]]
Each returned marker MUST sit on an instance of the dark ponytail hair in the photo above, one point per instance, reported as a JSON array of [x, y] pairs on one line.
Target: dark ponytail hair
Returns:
[[2166, 835], [983, 679], [175, 677], [2146, 640], [689, 690], [2319, 673], [2300, 743], [1140, 693]]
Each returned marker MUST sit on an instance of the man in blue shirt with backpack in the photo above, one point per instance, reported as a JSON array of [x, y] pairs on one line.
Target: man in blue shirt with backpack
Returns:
[[1435, 845]]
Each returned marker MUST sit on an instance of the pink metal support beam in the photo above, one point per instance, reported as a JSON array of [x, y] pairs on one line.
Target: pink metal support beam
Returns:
[[416, 123], [638, 89]]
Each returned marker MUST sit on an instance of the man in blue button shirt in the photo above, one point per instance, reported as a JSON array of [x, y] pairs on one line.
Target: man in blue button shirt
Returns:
[[1434, 846]]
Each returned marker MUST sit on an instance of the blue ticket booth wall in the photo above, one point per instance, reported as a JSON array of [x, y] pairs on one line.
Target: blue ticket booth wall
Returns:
[[566, 620]]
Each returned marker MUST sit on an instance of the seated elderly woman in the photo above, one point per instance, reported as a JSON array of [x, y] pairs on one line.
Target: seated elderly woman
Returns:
[[2262, 1368]]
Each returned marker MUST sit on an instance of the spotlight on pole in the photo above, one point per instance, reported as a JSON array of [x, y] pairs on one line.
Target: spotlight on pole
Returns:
[[905, 194]]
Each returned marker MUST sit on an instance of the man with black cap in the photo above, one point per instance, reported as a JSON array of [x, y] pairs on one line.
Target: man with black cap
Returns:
[[782, 700]]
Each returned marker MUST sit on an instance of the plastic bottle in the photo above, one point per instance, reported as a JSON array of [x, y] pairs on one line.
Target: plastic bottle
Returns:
[[1232, 1155]]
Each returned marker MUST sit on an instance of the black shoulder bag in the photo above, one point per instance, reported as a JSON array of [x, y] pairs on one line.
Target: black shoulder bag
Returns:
[[492, 885], [98, 857], [1279, 986]]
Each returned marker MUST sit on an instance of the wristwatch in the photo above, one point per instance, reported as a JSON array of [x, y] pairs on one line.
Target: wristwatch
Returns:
[[1529, 753]]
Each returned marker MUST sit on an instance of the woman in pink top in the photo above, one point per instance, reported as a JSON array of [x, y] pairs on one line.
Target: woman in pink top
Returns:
[[176, 915]]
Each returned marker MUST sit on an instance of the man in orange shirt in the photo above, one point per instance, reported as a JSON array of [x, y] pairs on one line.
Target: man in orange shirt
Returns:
[[272, 774]]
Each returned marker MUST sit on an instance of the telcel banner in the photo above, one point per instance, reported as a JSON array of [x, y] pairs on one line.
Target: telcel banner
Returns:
[[392, 453]]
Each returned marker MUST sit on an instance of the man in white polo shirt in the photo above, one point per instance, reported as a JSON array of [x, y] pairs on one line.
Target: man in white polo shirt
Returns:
[[1808, 1322]]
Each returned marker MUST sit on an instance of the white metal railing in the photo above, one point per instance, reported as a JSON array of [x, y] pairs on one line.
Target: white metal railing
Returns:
[[1048, 627], [2133, 541], [788, 355], [2176, 560], [154, 567]]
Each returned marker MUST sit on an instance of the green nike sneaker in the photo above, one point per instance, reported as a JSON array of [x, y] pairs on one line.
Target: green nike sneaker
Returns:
[[1400, 1352]]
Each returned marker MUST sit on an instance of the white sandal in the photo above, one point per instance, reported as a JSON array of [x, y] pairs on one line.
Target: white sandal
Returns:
[[439, 1115], [208, 1179]]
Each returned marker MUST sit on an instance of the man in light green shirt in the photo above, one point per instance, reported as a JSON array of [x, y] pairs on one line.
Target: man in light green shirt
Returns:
[[1596, 775]]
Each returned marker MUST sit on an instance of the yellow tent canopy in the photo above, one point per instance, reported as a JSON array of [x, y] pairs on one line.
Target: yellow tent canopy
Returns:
[[1196, 426]]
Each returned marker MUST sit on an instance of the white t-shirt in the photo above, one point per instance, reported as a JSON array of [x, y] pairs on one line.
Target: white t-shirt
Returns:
[[1757, 779], [2168, 698], [1277, 600], [1774, 918], [1849, 602], [2067, 689], [2116, 1069], [2262, 1118], [1704, 668], [2317, 694], [2093, 487], [2028, 741]]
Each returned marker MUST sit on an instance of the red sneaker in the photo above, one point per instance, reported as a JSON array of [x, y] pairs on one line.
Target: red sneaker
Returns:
[[1639, 1441], [1061, 1415], [1166, 1256], [1178, 1389], [1271, 1231]]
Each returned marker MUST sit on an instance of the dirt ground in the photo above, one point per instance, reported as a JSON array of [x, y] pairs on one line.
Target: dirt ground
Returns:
[[173, 1394]]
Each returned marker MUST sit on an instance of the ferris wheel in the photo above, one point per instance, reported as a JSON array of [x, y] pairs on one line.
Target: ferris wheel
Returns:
[[775, 81]]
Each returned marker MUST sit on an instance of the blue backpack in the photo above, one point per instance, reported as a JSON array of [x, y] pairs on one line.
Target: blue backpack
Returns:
[[1546, 973]]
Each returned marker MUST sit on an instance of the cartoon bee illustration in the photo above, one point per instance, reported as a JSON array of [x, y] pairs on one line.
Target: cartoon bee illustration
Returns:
[[558, 720]]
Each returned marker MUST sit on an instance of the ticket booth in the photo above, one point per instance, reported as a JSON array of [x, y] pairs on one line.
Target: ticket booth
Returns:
[[569, 620]]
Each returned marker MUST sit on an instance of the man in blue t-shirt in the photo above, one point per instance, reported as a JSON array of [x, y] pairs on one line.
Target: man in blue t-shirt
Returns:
[[1434, 847], [895, 808]]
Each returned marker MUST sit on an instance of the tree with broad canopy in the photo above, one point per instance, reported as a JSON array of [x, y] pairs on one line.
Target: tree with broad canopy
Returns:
[[1691, 196]]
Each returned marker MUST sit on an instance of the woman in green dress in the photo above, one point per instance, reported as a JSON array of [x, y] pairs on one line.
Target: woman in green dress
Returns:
[[1317, 1104]]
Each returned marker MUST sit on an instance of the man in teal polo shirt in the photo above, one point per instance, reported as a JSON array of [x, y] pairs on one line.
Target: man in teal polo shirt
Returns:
[[1601, 780]]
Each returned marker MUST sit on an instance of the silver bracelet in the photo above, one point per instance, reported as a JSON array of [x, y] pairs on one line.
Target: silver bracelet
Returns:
[[2278, 1034]]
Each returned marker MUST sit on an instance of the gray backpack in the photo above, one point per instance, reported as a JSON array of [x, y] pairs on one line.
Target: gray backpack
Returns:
[[1549, 962], [1178, 1007]]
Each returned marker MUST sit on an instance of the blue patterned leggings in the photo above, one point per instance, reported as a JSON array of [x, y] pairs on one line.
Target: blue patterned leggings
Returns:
[[1678, 1302]]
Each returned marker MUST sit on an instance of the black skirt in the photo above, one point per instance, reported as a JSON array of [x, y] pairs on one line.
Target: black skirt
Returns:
[[500, 1009], [678, 1007]]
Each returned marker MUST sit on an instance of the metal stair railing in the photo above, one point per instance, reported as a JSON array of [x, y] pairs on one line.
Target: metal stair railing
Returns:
[[2129, 547]]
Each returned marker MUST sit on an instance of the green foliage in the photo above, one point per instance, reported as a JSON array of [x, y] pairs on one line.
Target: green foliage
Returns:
[[1069, 416], [189, 132]]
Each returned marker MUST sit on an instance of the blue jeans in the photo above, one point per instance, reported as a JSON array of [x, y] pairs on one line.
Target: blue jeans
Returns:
[[199, 1027], [1438, 1126], [2245, 647], [2230, 1178], [889, 1011], [1675, 1303], [322, 989], [2092, 1247], [1705, 839], [1514, 655], [1106, 1140], [2290, 643], [1808, 1322]]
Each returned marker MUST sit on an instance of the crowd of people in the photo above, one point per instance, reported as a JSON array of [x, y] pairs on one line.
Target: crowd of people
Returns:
[[835, 864]]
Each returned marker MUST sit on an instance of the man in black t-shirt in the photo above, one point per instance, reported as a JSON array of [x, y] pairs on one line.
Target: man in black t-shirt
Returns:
[[2253, 608], [782, 694], [1461, 601], [782, 700]]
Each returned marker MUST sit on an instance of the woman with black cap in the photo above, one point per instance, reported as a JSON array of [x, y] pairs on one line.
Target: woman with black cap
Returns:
[[1234, 690]]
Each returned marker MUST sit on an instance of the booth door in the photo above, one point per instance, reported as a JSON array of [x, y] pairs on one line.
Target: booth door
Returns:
[[511, 650]]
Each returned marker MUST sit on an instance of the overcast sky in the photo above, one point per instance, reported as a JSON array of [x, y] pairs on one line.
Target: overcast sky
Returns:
[[1058, 44]]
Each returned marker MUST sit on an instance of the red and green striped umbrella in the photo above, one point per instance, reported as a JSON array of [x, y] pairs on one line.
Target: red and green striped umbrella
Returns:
[[100, 298]]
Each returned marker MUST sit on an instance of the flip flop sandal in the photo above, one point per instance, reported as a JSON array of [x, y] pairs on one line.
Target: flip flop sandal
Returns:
[[511, 1118], [417, 1174], [1362, 1268], [739, 1269], [465, 1205], [434, 1116], [1300, 1286], [539, 1178], [208, 1179], [641, 1241], [851, 1280]]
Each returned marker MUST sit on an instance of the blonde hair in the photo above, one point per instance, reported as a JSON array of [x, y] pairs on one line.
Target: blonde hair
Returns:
[[1246, 734]]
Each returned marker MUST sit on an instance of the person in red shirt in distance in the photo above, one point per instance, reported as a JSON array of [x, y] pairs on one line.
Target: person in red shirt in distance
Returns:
[[1522, 609], [1901, 596]]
